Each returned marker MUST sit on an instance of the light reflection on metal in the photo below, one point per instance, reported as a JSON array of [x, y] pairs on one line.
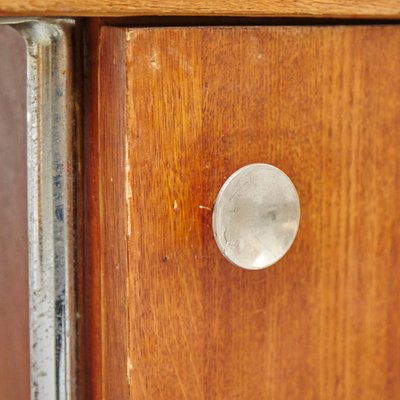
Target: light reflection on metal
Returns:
[[256, 216], [51, 206]]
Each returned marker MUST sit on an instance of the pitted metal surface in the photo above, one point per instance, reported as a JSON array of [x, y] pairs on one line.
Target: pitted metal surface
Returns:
[[51, 206]]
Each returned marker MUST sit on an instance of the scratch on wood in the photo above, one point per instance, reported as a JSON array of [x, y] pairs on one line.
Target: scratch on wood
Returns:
[[128, 188], [129, 368]]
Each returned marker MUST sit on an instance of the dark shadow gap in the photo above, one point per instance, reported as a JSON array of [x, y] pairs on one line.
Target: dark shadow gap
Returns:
[[180, 21]]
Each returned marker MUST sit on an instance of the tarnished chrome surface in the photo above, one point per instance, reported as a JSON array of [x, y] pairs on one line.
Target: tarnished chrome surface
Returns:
[[256, 216], [51, 206]]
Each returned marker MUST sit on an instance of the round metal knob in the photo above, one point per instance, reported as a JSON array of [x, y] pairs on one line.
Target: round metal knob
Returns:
[[256, 216]]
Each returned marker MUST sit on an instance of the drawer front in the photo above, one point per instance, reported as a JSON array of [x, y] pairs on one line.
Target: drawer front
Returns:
[[175, 111]]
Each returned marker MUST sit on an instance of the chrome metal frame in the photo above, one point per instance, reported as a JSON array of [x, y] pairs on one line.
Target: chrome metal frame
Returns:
[[51, 206]]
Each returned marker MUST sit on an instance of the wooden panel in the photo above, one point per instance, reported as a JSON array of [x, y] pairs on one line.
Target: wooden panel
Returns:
[[106, 176], [275, 8], [180, 109], [14, 331]]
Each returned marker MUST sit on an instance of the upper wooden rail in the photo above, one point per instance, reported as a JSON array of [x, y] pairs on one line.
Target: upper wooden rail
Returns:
[[274, 8]]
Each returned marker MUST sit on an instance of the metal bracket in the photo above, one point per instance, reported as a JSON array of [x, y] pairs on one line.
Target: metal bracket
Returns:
[[52, 214]]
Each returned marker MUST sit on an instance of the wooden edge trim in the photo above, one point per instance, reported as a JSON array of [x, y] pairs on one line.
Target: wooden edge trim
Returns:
[[252, 8]]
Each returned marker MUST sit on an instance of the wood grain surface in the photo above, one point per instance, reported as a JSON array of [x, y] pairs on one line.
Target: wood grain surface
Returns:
[[274, 8], [14, 330], [104, 189], [175, 112]]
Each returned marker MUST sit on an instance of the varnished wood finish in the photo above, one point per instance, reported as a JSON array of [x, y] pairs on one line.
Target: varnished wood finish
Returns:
[[105, 188], [274, 8], [14, 331], [180, 109]]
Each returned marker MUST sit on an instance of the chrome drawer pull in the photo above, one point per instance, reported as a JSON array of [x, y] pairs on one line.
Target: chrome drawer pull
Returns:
[[256, 216]]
